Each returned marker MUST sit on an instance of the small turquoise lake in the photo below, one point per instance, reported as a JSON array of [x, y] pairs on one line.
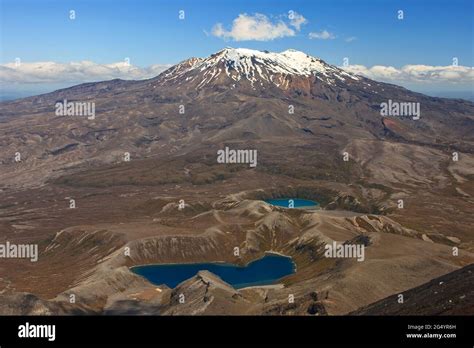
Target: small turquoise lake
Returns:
[[265, 271], [292, 203]]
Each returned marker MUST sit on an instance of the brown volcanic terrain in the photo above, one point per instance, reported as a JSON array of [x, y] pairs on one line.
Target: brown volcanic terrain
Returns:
[[451, 294], [173, 156]]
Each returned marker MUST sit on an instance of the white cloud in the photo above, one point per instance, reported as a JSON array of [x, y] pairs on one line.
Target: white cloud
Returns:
[[415, 73], [74, 72], [322, 35], [350, 39], [258, 27], [297, 20], [87, 71]]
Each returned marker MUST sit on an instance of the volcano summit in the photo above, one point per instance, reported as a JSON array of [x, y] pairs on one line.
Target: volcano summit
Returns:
[[256, 67]]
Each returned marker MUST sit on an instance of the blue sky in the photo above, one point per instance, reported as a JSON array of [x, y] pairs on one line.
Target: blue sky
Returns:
[[150, 32]]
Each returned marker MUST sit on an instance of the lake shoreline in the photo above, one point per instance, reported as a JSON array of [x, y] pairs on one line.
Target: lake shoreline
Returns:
[[265, 271], [293, 203], [213, 262]]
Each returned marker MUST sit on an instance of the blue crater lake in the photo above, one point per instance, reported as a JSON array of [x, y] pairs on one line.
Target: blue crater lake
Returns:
[[292, 203], [264, 271]]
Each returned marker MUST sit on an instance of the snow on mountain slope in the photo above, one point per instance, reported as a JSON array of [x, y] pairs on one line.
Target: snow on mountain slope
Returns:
[[257, 67]]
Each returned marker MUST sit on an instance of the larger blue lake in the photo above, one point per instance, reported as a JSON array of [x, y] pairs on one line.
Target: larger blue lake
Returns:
[[292, 203], [264, 271]]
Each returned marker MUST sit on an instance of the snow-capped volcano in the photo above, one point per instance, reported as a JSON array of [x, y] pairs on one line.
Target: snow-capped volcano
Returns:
[[256, 67]]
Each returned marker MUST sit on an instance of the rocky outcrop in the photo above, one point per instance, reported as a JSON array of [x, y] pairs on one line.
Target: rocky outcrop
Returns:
[[206, 293], [28, 304], [450, 294]]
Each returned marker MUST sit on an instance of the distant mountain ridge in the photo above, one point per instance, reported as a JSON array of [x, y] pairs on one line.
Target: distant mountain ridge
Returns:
[[232, 95]]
